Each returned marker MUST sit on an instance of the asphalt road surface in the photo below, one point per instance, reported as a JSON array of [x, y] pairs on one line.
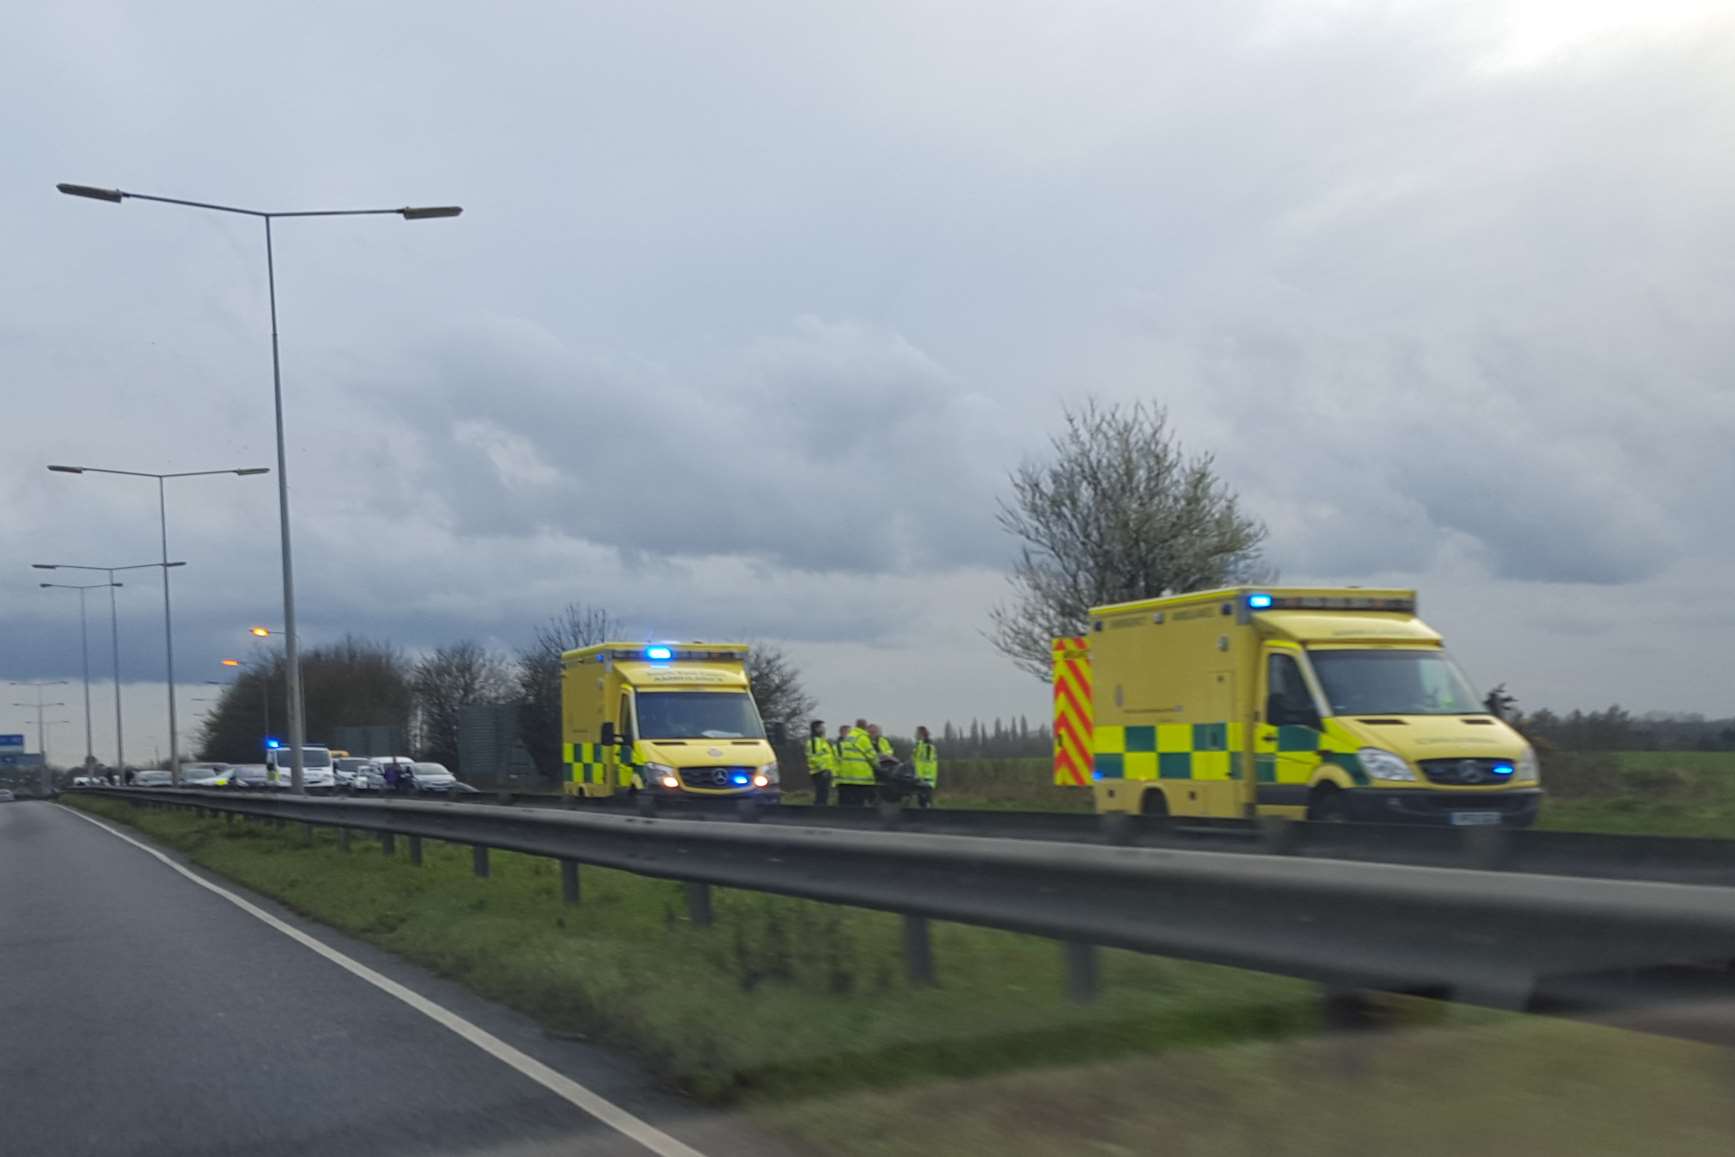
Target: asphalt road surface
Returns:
[[141, 1013]]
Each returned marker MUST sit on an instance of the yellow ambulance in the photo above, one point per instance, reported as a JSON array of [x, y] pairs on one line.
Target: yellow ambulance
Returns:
[[668, 719], [1308, 703]]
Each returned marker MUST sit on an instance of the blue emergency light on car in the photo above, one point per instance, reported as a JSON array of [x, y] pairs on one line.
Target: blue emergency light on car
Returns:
[[659, 654], [739, 780], [1502, 769], [1259, 602], [272, 745]]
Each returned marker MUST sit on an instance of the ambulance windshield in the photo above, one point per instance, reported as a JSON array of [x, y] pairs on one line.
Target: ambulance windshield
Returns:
[[1394, 683], [698, 715]]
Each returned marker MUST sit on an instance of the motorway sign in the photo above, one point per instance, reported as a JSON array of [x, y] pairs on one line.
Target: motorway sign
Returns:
[[9, 741], [20, 759]]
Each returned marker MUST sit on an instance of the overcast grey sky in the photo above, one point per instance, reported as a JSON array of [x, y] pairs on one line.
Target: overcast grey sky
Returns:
[[753, 305]]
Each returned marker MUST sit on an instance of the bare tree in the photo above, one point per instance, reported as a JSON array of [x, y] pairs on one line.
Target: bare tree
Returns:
[[538, 672], [1119, 513], [777, 689], [446, 682]]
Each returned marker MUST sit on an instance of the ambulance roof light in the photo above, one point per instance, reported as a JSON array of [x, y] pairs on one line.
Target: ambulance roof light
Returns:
[[1260, 602], [659, 654]]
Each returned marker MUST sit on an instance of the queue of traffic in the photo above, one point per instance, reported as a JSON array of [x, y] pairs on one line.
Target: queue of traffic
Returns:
[[324, 772]]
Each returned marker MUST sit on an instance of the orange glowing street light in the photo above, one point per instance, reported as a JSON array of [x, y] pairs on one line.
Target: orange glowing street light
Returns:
[[261, 632], [231, 662]]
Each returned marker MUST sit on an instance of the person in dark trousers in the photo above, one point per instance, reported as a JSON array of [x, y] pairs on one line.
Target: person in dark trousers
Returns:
[[129, 777], [821, 762]]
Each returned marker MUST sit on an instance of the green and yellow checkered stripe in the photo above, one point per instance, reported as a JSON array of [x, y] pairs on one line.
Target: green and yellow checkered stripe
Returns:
[[584, 762], [1166, 750]]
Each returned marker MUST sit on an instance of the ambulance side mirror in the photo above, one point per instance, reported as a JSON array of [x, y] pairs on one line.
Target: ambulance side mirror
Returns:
[[607, 738]]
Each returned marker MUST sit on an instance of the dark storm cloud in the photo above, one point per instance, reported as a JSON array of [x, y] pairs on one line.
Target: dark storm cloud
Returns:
[[835, 446]]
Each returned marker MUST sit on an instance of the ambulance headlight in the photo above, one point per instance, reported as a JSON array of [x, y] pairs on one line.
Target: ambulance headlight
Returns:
[[1382, 764], [662, 775], [766, 775], [1528, 770]]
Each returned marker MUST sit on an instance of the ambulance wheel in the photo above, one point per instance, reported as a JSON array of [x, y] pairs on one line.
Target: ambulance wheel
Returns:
[[1154, 803], [1327, 807]]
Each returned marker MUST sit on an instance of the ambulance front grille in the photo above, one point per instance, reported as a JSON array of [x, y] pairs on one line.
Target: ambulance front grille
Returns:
[[1468, 772], [713, 777]]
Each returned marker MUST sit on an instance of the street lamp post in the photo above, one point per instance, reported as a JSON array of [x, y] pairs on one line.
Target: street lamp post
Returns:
[[41, 728], [120, 758], [168, 623], [84, 650], [266, 667], [291, 643]]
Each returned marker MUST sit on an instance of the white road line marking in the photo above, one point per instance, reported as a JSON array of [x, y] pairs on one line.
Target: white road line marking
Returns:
[[561, 1086]]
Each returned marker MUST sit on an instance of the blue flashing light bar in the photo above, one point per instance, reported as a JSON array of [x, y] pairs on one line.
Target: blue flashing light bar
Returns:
[[272, 745], [659, 654], [1259, 602]]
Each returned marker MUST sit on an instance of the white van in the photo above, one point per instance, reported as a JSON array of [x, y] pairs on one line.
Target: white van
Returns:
[[316, 773]]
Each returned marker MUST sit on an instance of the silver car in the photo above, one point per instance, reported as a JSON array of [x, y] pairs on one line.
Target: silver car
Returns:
[[432, 776], [373, 776], [344, 769], [205, 775]]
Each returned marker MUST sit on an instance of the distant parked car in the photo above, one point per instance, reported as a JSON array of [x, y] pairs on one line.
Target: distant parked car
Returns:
[[433, 777], [344, 767], [368, 777], [249, 775], [373, 776], [6, 795], [152, 777], [205, 775]]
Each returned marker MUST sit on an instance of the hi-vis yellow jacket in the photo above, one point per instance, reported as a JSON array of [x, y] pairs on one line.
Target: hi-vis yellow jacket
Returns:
[[821, 755], [856, 759]]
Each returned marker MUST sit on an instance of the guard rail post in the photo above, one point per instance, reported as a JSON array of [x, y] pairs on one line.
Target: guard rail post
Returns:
[[479, 860], [1082, 979], [918, 951], [307, 834], [699, 903], [569, 891], [388, 844], [343, 839], [416, 850]]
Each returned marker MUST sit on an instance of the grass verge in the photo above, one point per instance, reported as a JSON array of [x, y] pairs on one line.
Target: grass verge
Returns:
[[779, 998], [1514, 1085], [1665, 793]]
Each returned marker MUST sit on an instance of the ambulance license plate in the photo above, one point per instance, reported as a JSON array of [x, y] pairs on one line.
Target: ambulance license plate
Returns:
[[1475, 819]]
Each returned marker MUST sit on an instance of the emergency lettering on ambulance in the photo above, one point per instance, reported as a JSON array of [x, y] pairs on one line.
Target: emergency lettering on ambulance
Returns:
[[1307, 703], [668, 719]]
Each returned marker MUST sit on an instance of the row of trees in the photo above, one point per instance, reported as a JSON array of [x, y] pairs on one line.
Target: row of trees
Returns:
[[1007, 739], [365, 683], [1617, 729]]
